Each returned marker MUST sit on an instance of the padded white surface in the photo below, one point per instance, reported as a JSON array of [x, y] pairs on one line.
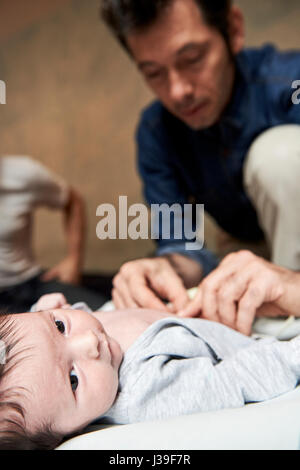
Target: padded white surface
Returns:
[[272, 425]]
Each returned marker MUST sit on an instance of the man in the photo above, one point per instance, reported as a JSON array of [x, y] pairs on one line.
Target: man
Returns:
[[25, 185], [224, 132]]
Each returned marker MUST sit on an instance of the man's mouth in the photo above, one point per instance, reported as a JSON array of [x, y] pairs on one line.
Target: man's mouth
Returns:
[[191, 111]]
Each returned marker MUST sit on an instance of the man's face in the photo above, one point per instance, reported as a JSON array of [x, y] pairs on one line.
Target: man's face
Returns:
[[186, 63], [69, 368]]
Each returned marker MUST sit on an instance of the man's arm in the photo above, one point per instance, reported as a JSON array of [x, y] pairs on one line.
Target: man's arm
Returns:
[[187, 269], [285, 96], [143, 283], [69, 269], [166, 189]]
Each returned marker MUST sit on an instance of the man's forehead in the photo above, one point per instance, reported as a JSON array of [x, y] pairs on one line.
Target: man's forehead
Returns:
[[169, 34]]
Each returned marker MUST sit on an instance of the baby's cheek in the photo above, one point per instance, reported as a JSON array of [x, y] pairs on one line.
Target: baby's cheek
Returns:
[[104, 394]]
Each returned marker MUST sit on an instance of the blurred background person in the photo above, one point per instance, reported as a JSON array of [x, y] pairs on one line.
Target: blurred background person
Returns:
[[25, 185]]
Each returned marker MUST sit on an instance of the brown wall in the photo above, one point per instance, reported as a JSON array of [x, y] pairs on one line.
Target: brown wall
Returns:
[[73, 101]]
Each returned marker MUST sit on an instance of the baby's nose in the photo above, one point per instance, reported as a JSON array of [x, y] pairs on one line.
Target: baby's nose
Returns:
[[86, 345]]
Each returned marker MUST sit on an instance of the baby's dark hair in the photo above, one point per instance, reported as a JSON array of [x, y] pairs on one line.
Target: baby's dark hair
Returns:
[[13, 433]]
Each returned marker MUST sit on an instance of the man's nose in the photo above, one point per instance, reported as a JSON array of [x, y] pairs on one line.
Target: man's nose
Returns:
[[180, 87], [85, 345]]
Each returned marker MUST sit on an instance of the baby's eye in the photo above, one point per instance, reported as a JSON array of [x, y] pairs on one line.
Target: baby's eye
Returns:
[[73, 380], [60, 326]]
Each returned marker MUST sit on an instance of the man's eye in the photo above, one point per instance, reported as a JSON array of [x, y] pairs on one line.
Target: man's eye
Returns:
[[153, 75], [193, 60], [73, 380], [60, 326]]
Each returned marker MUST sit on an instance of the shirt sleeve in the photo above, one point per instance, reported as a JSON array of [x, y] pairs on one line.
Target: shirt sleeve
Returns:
[[171, 386], [50, 189], [164, 185], [22, 173], [283, 72]]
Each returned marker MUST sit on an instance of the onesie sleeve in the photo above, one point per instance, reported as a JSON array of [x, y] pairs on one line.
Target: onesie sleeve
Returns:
[[169, 386]]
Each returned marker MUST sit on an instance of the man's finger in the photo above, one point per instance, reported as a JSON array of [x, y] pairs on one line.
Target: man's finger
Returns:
[[144, 296], [210, 302], [210, 287], [194, 307], [124, 292], [228, 296], [248, 305], [117, 300], [171, 287]]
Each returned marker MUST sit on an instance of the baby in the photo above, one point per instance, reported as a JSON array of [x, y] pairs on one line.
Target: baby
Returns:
[[65, 367]]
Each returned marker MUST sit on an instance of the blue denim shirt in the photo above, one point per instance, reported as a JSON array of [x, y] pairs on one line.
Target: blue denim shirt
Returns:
[[178, 164]]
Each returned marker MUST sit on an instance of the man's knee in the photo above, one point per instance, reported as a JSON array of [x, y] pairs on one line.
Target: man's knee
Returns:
[[273, 160]]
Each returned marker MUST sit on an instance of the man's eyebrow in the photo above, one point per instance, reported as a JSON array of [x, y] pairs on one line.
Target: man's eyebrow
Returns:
[[147, 63], [193, 46]]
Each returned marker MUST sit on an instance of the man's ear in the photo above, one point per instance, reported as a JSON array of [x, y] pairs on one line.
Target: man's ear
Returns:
[[236, 29]]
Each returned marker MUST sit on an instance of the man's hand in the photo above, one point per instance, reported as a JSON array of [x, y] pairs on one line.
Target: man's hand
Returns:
[[67, 271], [241, 288], [144, 283]]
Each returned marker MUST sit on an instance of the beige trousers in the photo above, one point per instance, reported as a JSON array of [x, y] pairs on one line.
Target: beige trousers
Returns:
[[272, 182]]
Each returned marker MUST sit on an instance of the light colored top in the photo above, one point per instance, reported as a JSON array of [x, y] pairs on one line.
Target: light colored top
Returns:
[[185, 366], [25, 184]]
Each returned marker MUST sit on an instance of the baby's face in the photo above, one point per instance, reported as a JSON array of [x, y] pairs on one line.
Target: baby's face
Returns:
[[70, 368]]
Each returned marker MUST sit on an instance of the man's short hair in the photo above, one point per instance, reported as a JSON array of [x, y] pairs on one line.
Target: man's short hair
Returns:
[[125, 16]]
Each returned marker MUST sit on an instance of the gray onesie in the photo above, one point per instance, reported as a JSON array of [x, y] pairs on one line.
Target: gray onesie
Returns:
[[184, 366], [181, 366]]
